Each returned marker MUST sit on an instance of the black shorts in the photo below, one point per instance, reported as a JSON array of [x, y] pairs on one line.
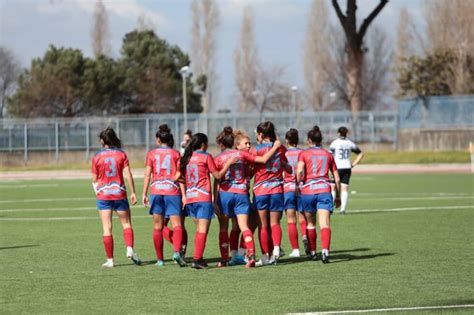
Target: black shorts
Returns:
[[345, 175]]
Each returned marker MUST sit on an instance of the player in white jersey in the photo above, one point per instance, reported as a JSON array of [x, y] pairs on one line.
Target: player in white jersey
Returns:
[[341, 149]]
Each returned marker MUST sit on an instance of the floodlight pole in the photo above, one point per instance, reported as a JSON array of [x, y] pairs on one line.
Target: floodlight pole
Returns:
[[184, 72]]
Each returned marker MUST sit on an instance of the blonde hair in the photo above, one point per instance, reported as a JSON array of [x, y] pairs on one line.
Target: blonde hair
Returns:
[[239, 135]]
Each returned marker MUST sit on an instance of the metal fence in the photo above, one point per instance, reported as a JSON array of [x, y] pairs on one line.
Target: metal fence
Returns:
[[81, 134]]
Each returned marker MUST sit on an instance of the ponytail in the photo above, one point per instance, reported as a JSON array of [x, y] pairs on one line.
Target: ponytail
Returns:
[[165, 135], [110, 139], [194, 144], [315, 136], [226, 137]]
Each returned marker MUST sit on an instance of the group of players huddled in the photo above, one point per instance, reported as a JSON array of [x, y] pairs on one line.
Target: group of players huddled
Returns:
[[303, 182]]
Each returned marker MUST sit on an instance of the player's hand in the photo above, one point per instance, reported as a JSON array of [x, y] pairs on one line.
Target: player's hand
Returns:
[[133, 199], [145, 201], [337, 202], [183, 200], [277, 143]]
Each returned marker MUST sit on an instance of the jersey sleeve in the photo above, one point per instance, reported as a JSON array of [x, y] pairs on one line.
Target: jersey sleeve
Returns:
[[125, 160], [283, 157], [210, 164], [247, 157], [149, 161], [355, 148], [332, 147]]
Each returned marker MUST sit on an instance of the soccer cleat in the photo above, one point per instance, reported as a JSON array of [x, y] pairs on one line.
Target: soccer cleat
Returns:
[[263, 261], [223, 263], [295, 253], [108, 264], [237, 260], [275, 256], [133, 256], [179, 260], [282, 253], [306, 245], [325, 256], [250, 262], [183, 250], [199, 264], [312, 256], [160, 263]]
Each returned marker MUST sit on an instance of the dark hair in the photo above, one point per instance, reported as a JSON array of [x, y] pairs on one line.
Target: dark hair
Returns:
[[292, 136], [226, 137], [343, 131], [194, 144], [165, 135], [267, 129], [109, 137], [315, 136], [189, 133]]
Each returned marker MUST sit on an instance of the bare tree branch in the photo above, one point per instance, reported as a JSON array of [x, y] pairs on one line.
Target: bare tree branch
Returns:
[[370, 18]]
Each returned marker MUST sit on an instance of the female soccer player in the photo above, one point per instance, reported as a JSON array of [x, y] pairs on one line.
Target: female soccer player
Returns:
[[165, 201], [292, 201], [314, 164], [232, 199], [268, 192], [197, 165], [108, 166], [341, 149]]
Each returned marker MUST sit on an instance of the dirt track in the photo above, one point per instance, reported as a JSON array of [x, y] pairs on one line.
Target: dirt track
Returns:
[[361, 169]]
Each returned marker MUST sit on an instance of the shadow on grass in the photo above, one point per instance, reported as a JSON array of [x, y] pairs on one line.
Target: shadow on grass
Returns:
[[17, 247]]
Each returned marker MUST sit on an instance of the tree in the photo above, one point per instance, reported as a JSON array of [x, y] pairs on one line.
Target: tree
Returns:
[[271, 93], [246, 62], [205, 15], [100, 32], [152, 79], [51, 87], [9, 71], [355, 48], [316, 55]]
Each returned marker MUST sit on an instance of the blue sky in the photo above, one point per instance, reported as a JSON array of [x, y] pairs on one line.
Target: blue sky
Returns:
[[28, 27]]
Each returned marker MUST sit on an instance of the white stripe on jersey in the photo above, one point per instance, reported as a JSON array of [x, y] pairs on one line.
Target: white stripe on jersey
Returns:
[[341, 149]]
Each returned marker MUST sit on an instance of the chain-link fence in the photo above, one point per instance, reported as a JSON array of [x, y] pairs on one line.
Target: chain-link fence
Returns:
[[81, 134]]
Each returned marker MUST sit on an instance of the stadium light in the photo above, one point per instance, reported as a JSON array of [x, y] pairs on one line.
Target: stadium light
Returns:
[[184, 74]]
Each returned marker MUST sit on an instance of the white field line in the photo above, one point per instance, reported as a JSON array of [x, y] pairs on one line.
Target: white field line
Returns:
[[417, 198], [45, 200], [139, 216], [411, 194], [28, 186], [394, 309]]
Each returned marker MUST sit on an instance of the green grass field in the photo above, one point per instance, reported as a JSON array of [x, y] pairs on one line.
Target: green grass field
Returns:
[[407, 241]]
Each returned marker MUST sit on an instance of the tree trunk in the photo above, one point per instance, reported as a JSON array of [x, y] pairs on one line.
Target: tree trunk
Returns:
[[354, 79]]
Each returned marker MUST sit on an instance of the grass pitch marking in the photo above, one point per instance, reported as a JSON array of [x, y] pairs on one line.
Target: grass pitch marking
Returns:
[[139, 216], [394, 309]]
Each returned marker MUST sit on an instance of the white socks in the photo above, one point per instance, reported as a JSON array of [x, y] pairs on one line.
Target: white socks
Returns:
[[344, 197], [333, 193]]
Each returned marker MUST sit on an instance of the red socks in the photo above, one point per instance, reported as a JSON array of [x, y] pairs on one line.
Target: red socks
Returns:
[[293, 235], [199, 245], [276, 234], [224, 245], [250, 245], [158, 242], [128, 237], [109, 246], [242, 241], [303, 227], [168, 234], [264, 240], [177, 238], [234, 239], [311, 238], [325, 238]]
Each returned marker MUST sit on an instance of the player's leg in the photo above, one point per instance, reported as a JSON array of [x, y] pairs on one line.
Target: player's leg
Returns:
[[290, 206], [107, 238], [344, 197], [126, 221], [325, 230], [178, 230], [202, 226], [223, 239], [276, 211], [311, 233], [247, 235], [234, 238], [158, 223], [263, 236], [333, 190], [167, 232]]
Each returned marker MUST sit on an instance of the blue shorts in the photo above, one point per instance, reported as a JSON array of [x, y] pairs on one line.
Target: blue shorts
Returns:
[[200, 210], [232, 204], [292, 201], [272, 202], [115, 205], [311, 203], [165, 205]]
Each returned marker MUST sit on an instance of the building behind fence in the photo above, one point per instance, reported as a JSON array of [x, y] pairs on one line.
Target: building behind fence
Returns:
[[80, 135]]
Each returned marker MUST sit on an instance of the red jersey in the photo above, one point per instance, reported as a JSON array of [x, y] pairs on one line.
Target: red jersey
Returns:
[[164, 163], [290, 179], [235, 179], [108, 165], [269, 176], [198, 181], [317, 163]]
